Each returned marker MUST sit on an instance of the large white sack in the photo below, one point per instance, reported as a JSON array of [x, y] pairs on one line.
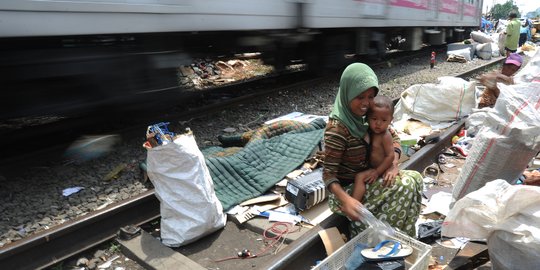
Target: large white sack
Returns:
[[466, 53], [508, 216], [480, 37], [475, 121], [495, 51], [447, 101], [502, 40], [507, 141], [484, 51], [188, 203]]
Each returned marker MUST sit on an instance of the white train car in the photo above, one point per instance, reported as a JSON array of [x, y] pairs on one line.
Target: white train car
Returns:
[[438, 19], [82, 53], [25, 18]]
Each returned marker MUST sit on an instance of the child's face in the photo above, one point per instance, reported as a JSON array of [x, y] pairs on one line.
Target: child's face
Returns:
[[379, 119]]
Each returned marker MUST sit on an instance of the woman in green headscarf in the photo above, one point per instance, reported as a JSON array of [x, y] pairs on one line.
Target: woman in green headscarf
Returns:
[[395, 197]]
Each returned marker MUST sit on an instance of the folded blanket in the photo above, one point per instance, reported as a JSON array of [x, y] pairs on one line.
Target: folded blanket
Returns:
[[262, 163]]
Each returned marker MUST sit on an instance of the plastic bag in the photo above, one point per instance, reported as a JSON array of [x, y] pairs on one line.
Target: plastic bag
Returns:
[[507, 216], [370, 220], [184, 186]]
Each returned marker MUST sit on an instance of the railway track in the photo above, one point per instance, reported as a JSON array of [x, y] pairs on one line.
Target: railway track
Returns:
[[49, 247], [50, 138]]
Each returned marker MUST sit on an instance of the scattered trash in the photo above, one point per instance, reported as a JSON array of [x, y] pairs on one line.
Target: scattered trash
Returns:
[[440, 203], [450, 165], [108, 263], [109, 201], [129, 232], [82, 261], [115, 172], [429, 232], [244, 253], [159, 134], [429, 180], [457, 242], [297, 116], [229, 130], [72, 190]]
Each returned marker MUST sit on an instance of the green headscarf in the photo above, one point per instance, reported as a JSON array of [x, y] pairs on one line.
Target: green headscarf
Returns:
[[356, 79]]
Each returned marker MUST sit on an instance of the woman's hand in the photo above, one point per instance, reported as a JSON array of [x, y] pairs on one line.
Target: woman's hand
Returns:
[[351, 207], [389, 176]]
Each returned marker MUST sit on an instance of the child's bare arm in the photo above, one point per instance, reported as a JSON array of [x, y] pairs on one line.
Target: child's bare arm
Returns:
[[388, 148]]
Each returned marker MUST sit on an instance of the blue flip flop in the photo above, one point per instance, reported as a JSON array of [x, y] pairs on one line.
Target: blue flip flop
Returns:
[[387, 250]]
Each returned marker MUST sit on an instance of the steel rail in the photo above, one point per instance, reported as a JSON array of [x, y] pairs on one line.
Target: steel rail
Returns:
[[61, 242], [56, 244]]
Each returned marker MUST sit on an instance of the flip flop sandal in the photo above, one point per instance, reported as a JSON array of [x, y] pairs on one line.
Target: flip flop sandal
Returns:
[[387, 250]]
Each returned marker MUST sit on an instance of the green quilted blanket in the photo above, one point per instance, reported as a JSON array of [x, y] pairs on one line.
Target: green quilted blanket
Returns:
[[259, 165]]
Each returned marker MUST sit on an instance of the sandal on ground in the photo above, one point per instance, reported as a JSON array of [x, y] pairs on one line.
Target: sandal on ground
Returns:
[[387, 250]]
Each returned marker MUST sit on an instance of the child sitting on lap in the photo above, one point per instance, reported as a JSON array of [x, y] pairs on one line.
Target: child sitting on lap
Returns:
[[379, 116]]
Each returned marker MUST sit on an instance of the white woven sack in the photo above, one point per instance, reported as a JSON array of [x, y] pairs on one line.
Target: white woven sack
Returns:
[[508, 216], [531, 72], [448, 101], [507, 141], [484, 51], [466, 53], [480, 37], [188, 203]]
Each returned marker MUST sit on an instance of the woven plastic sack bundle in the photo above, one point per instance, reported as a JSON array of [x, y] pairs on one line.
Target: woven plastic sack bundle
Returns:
[[480, 37], [449, 100], [507, 141], [507, 216], [484, 51], [466, 53], [184, 187]]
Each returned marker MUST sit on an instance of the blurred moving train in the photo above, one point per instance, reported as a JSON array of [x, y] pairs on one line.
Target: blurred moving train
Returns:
[[62, 56]]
